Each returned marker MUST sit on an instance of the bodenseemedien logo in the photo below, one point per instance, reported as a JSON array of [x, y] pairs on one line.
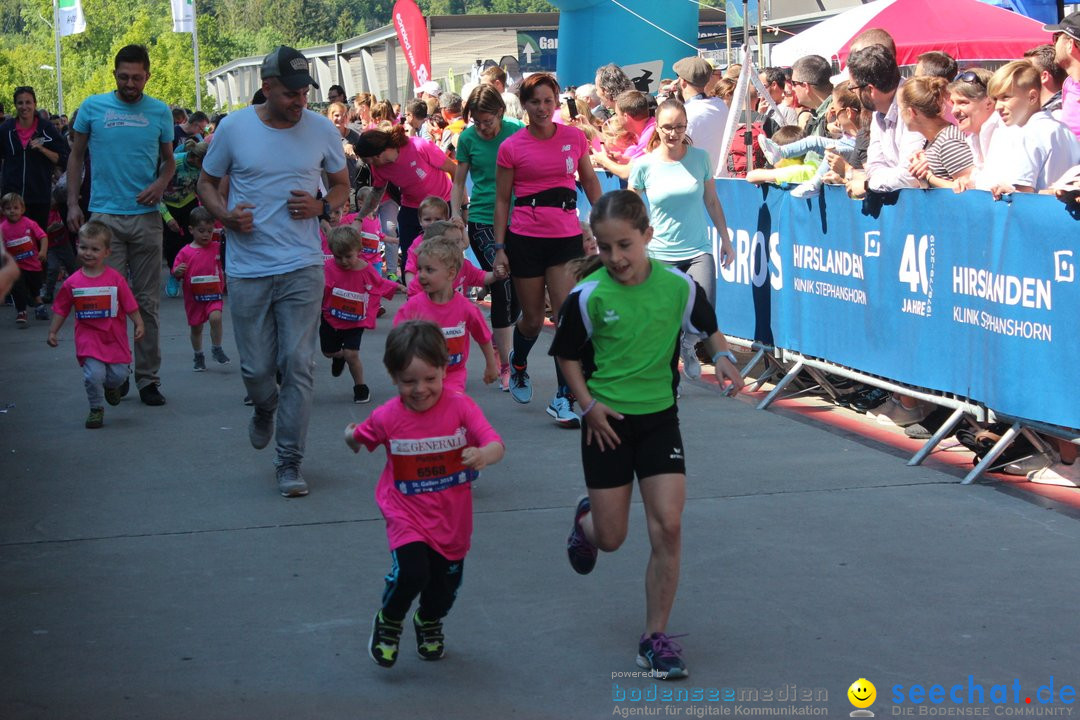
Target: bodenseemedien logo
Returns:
[[862, 694]]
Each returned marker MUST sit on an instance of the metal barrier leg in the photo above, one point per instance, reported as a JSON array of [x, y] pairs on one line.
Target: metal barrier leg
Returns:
[[937, 437], [992, 456], [753, 361], [781, 385], [771, 371]]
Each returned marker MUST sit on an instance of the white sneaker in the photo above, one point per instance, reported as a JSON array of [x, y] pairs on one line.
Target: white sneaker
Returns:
[[770, 150], [1060, 474], [894, 413], [690, 363], [808, 189]]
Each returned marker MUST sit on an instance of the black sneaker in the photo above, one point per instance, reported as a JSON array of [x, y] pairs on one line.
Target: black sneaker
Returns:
[[581, 552], [150, 395], [113, 395], [200, 363], [361, 394], [261, 428], [429, 638], [336, 366], [125, 387], [385, 636], [95, 419], [660, 654]]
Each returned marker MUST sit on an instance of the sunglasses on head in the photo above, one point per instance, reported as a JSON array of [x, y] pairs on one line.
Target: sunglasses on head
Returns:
[[971, 77]]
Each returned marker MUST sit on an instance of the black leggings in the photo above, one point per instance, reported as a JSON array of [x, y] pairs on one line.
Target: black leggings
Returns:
[[173, 242], [504, 304], [26, 289], [419, 570]]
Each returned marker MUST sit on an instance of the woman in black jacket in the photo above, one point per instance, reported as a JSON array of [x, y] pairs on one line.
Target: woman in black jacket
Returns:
[[31, 149]]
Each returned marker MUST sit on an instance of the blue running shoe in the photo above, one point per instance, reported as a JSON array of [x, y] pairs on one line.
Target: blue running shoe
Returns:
[[172, 286], [658, 653], [520, 385], [562, 409], [581, 552]]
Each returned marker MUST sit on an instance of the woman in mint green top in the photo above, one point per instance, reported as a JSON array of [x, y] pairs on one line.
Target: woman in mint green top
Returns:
[[677, 181], [478, 146]]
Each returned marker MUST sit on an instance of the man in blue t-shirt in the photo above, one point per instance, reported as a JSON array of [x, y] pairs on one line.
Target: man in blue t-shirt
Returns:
[[275, 261], [129, 135]]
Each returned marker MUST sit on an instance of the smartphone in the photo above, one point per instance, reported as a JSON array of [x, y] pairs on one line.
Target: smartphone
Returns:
[[571, 105]]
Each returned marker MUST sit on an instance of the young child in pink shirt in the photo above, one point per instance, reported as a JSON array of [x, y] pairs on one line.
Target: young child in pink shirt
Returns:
[[468, 276], [437, 441], [198, 264], [367, 221], [432, 209], [29, 245], [440, 260], [351, 302], [102, 301]]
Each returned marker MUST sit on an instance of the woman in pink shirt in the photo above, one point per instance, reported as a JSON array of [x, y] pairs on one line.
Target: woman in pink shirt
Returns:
[[536, 167], [415, 165]]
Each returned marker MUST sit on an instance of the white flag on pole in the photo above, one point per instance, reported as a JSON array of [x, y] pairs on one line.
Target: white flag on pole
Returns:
[[183, 16], [71, 18]]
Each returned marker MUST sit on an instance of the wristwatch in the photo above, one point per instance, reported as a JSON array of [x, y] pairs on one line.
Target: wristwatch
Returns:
[[725, 354], [325, 208]]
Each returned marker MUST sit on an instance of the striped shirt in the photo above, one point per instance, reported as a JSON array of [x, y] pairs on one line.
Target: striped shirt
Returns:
[[949, 153]]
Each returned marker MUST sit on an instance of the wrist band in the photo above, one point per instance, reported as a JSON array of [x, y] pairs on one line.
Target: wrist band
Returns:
[[499, 246], [724, 354], [588, 407]]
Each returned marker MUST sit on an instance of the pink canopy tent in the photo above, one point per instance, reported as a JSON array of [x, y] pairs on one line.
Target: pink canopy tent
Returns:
[[968, 30]]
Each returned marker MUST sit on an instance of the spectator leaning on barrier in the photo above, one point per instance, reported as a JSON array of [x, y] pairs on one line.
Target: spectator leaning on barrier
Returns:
[[946, 158], [1048, 148], [986, 135], [774, 80], [1067, 56], [705, 116], [1051, 75], [813, 89], [876, 77]]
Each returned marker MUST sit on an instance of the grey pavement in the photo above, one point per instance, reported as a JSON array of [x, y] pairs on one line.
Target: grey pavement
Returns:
[[150, 569]]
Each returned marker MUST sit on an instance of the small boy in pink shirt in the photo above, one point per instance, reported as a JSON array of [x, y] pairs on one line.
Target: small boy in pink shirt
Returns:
[[439, 263], [468, 276], [102, 301], [351, 302], [198, 264], [29, 245], [432, 209], [436, 443]]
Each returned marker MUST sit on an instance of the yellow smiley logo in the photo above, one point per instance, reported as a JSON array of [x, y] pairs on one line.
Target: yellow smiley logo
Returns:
[[862, 693]]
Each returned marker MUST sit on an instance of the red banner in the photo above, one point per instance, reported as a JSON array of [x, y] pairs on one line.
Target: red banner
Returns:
[[413, 38]]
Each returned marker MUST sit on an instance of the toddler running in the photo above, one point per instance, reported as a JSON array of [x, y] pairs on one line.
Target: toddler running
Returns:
[[439, 263], [351, 303], [29, 245], [436, 443], [101, 299], [198, 265]]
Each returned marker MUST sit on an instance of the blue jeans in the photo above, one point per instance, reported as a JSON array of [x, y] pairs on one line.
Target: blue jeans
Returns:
[[841, 146], [97, 373], [276, 320]]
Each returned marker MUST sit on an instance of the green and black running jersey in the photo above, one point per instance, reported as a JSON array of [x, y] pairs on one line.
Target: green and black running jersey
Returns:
[[627, 336]]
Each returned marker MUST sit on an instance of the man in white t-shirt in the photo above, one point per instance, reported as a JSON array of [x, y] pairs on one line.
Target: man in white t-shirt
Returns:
[[705, 116], [274, 261]]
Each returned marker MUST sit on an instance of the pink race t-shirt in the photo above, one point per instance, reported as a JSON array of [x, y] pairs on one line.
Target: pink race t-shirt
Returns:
[[1070, 105], [417, 171], [371, 235], [351, 298], [102, 305], [459, 319], [542, 165], [468, 276], [22, 240], [203, 280], [423, 491]]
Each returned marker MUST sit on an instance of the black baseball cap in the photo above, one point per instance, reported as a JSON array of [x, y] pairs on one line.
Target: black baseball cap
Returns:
[[1070, 26], [290, 66]]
